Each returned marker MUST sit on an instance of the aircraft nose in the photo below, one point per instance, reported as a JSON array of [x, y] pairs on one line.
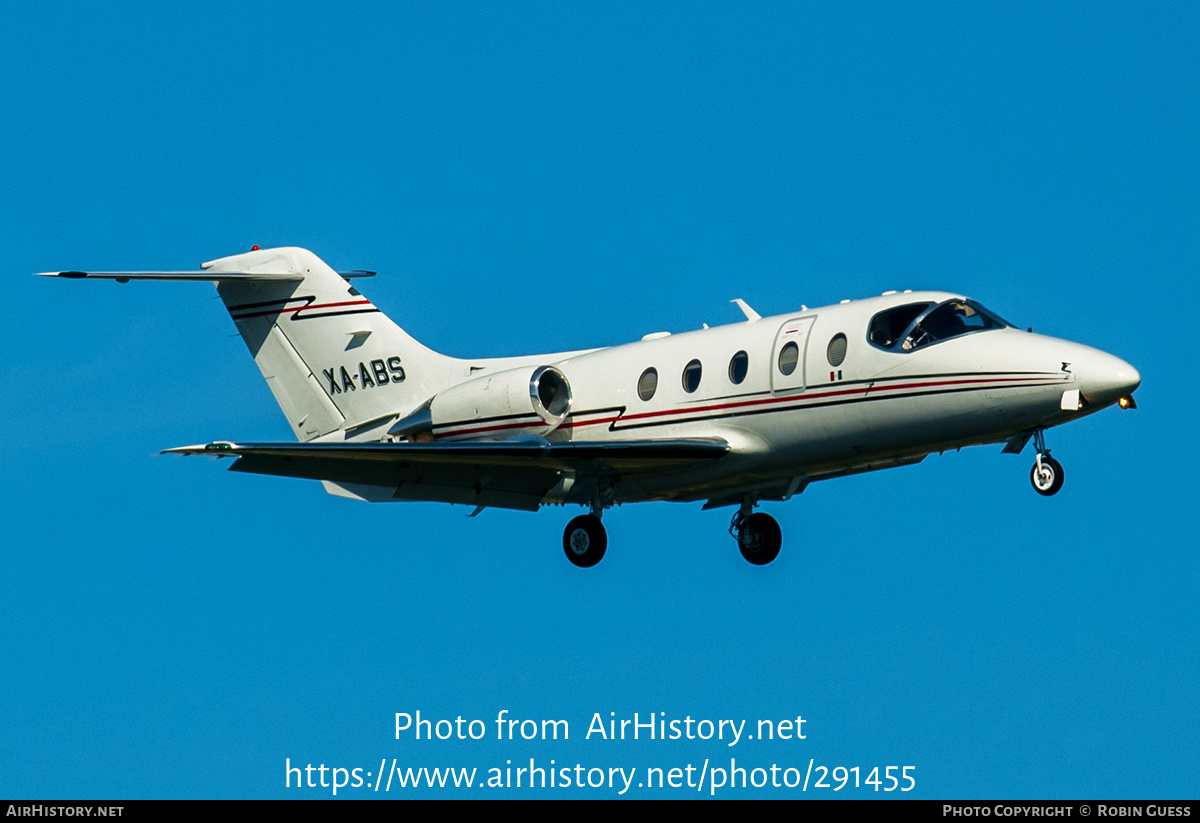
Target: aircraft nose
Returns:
[[1105, 379]]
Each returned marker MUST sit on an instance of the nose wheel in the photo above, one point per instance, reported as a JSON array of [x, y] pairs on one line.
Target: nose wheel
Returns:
[[1047, 473], [585, 541]]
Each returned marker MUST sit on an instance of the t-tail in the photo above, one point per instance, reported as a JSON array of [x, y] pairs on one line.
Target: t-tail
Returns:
[[332, 359]]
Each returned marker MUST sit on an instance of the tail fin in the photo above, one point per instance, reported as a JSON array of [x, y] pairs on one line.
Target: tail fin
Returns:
[[331, 358]]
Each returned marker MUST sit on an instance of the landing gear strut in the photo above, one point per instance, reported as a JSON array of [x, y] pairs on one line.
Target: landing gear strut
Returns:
[[1047, 474], [758, 535], [585, 540]]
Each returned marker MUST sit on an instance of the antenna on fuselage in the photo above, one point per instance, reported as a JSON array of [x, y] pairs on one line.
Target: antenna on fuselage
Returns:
[[751, 314]]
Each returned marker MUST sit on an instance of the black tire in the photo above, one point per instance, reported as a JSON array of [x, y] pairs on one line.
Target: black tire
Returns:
[[585, 541], [1050, 479], [760, 539]]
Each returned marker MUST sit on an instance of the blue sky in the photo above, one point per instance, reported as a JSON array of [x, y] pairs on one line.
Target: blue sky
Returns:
[[546, 177]]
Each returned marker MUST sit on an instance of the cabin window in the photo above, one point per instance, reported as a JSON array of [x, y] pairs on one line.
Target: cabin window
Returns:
[[691, 376], [789, 356], [738, 367], [836, 351], [648, 383]]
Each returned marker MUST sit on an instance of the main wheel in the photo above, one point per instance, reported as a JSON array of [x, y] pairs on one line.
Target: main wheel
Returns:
[[1047, 478], [759, 539], [585, 540]]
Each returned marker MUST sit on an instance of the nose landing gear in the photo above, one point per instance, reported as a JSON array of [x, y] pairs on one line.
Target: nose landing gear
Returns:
[[1047, 474]]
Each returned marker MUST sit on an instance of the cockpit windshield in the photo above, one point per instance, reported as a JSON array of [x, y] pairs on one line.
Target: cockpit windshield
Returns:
[[910, 327], [887, 327]]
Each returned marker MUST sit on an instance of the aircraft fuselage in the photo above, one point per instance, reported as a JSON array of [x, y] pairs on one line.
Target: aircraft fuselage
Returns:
[[861, 408]]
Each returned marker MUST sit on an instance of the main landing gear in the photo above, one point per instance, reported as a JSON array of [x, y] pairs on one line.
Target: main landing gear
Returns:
[[757, 534], [585, 540], [1047, 474]]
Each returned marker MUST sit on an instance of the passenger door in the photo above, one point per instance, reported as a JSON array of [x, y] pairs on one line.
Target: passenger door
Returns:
[[788, 355]]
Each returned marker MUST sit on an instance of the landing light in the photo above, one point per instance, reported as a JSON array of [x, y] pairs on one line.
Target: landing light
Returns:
[[1127, 402]]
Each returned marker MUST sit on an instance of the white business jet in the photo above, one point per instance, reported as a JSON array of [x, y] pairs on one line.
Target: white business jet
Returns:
[[734, 415]]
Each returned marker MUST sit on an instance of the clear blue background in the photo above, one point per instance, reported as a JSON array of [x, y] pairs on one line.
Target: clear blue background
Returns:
[[539, 177]]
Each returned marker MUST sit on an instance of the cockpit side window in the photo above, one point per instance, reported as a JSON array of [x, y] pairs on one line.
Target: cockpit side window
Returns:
[[887, 327]]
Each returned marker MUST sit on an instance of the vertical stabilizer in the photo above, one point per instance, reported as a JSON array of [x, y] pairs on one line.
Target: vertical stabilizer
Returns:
[[332, 359]]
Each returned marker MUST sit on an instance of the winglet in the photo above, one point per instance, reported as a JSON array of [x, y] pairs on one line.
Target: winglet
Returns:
[[751, 314]]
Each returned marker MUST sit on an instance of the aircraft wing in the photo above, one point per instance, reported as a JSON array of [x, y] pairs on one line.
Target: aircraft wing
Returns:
[[516, 473]]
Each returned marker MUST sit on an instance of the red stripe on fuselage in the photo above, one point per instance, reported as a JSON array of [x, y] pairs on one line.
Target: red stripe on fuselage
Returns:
[[798, 399], [817, 395]]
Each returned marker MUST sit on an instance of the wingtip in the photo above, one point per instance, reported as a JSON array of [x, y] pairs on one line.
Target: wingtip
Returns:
[[182, 449], [220, 448]]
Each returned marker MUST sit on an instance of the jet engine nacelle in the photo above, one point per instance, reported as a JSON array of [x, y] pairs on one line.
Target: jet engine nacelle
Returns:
[[491, 405]]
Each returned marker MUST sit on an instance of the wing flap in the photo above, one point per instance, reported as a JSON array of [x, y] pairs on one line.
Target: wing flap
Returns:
[[509, 488]]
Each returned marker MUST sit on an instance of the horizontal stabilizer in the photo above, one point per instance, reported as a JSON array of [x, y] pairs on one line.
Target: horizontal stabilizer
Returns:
[[202, 276]]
